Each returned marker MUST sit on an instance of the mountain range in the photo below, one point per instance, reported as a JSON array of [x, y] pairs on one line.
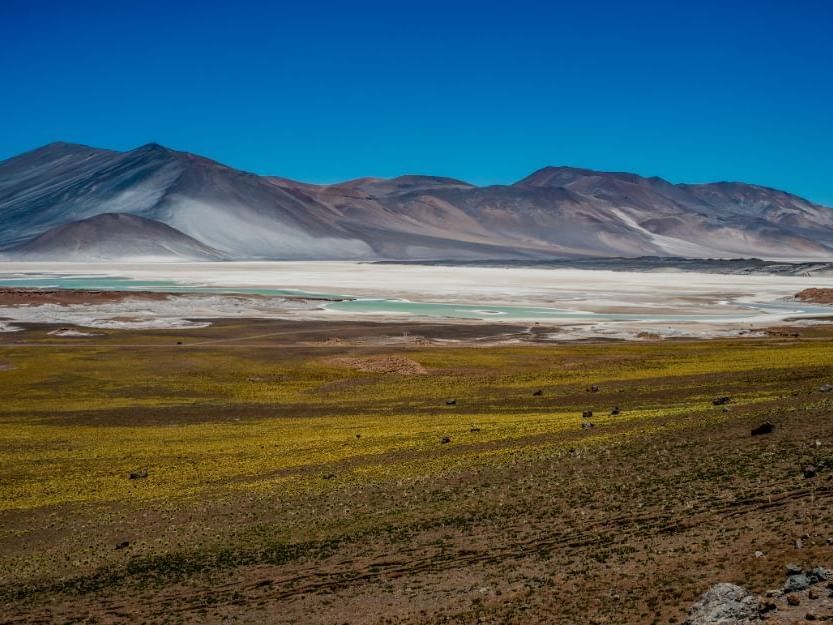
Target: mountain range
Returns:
[[73, 202]]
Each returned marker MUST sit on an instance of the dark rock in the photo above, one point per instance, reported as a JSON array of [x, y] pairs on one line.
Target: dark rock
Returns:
[[587, 414], [586, 425], [819, 574], [450, 402], [809, 471], [358, 435], [794, 569], [764, 428], [329, 476], [445, 440], [826, 388], [793, 599], [796, 583], [615, 411], [724, 604], [593, 388], [538, 393], [139, 475], [719, 401], [123, 545], [768, 605], [474, 429]]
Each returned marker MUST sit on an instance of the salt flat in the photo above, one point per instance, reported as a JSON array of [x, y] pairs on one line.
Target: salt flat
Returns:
[[582, 302]]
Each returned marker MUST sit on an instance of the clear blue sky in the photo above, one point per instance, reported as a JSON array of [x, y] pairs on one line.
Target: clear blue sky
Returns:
[[488, 92]]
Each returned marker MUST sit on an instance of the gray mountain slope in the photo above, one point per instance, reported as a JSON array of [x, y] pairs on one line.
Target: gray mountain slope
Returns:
[[113, 237], [555, 212]]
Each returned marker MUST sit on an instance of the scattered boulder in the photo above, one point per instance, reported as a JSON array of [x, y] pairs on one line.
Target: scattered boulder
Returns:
[[764, 428], [445, 440], [794, 569], [819, 574], [793, 599], [329, 476], [139, 475], [587, 414], [615, 411], [724, 604], [474, 429], [796, 583], [586, 425], [450, 402], [538, 393], [593, 388], [826, 388], [768, 605], [720, 401], [123, 545], [809, 471]]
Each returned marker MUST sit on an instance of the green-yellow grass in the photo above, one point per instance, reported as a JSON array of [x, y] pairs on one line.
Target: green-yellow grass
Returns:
[[49, 459]]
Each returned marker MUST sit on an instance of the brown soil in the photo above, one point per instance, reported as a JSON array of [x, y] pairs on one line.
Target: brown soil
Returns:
[[382, 364], [816, 296], [34, 297], [813, 604]]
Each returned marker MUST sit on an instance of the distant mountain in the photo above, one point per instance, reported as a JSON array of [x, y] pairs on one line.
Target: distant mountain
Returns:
[[113, 236], [217, 211]]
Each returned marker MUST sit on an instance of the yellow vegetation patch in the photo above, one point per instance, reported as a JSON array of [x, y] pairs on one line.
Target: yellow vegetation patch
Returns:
[[221, 421]]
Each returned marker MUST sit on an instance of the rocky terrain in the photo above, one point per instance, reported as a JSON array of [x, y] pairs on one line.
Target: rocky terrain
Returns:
[[806, 596], [189, 207]]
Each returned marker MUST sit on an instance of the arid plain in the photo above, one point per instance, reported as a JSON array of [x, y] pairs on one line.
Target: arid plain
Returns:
[[285, 471]]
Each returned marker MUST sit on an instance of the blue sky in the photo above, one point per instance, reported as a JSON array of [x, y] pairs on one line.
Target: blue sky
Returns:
[[487, 92]]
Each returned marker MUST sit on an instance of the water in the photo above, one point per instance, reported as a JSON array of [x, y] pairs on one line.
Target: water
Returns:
[[498, 313], [339, 303]]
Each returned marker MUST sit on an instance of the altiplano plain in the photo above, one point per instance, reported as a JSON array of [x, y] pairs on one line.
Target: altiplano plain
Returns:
[[340, 472]]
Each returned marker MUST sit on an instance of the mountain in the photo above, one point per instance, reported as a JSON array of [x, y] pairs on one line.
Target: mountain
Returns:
[[212, 211], [113, 236]]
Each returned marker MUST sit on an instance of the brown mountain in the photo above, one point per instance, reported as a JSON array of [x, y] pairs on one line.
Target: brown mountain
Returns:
[[556, 212]]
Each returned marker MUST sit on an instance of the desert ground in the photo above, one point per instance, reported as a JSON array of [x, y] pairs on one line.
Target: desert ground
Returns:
[[332, 472]]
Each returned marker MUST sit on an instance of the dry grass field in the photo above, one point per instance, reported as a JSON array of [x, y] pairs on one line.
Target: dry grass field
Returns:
[[303, 472]]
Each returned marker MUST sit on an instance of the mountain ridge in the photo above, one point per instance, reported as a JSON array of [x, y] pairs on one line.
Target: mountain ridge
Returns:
[[113, 236], [554, 212]]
